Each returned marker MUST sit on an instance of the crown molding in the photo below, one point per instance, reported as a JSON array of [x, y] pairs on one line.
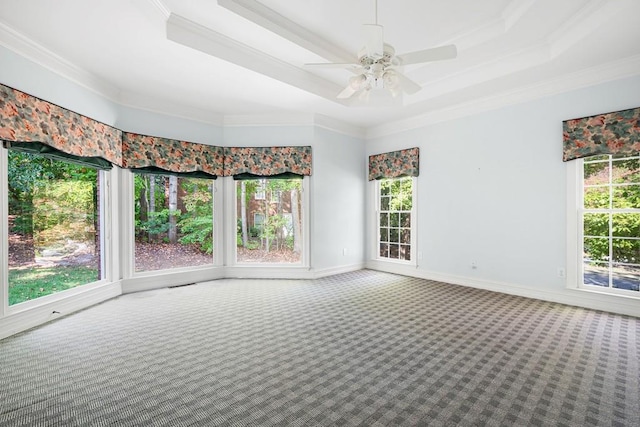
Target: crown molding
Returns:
[[34, 52], [169, 108], [628, 67], [294, 119]]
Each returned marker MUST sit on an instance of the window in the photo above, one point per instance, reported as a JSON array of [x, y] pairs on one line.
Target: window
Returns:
[[277, 233], [260, 189], [173, 222], [609, 223], [395, 211], [55, 213]]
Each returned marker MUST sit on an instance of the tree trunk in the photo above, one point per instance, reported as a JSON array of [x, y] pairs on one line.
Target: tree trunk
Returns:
[[152, 202], [297, 222], [143, 214], [173, 207], [243, 212], [266, 226]]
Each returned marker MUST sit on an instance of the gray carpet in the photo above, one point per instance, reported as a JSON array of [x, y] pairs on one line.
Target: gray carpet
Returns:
[[363, 348]]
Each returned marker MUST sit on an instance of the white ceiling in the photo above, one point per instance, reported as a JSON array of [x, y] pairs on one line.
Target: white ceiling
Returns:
[[250, 56]]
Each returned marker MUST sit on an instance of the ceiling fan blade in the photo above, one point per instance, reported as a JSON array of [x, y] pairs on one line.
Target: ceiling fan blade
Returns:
[[330, 65], [348, 92], [429, 55], [373, 40], [406, 84]]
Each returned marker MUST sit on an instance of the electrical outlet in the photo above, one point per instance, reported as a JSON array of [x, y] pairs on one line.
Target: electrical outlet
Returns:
[[344, 251], [419, 254], [562, 273], [474, 265]]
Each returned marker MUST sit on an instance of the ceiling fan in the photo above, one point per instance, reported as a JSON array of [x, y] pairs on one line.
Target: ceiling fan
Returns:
[[378, 65]]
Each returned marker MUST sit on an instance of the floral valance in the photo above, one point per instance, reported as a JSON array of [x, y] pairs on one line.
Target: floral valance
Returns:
[[611, 133], [247, 162], [153, 154], [26, 120], [395, 164]]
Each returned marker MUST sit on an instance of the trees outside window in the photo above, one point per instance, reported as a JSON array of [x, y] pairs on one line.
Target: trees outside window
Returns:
[[395, 207], [610, 218], [55, 239], [173, 222], [270, 221]]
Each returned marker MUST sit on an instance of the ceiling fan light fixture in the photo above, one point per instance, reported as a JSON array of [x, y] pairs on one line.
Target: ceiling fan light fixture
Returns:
[[358, 82]]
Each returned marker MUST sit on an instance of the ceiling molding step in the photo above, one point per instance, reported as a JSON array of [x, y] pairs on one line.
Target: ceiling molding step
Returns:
[[42, 56], [587, 20], [628, 67], [271, 20], [160, 7], [196, 36], [514, 11], [489, 70]]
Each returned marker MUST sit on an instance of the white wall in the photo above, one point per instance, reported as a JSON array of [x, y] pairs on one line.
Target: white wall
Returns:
[[338, 205], [492, 190]]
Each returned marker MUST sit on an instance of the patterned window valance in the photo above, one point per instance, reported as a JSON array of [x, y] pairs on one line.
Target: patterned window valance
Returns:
[[395, 164], [30, 124], [161, 155], [252, 162], [611, 133]]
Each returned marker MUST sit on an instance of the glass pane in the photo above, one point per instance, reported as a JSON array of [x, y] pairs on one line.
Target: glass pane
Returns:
[[405, 235], [385, 186], [596, 249], [596, 173], [269, 230], [384, 220], [626, 225], [394, 219], [405, 252], [596, 224], [394, 235], [626, 251], [626, 277], [626, 171], [384, 250], [384, 203], [405, 219], [394, 251], [626, 197], [173, 222], [54, 222], [596, 197], [384, 234], [596, 274]]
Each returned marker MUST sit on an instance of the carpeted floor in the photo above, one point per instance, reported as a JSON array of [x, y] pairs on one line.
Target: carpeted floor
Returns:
[[364, 348]]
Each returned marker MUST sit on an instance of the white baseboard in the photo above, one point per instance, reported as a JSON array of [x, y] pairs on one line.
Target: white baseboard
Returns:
[[337, 270], [165, 279], [575, 297], [36, 316]]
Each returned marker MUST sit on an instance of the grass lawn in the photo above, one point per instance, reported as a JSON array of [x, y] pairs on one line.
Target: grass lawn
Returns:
[[31, 283]]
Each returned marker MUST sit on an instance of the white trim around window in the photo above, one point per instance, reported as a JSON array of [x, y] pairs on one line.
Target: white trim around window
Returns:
[[376, 227]]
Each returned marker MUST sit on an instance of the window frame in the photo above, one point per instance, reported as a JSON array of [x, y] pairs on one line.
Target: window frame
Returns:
[[109, 264], [575, 233], [375, 247], [231, 211], [128, 209]]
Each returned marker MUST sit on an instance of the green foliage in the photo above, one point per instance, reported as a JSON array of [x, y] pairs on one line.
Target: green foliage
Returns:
[[34, 176], [31, 283], [396, 194], [623, 226], [158, 222], [196, 224]]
